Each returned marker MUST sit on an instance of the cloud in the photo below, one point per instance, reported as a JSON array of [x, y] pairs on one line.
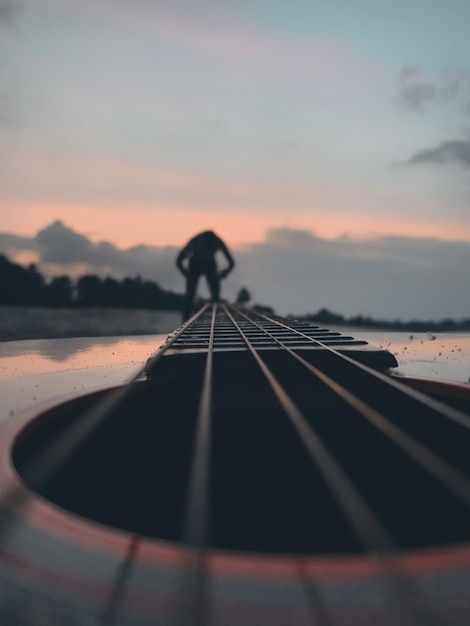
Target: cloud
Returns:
[[388, 277], [9, 10], [417, 92], [62, 247], [16, 242], [59, 244], [414, 92], [454, 151], [296, 272]]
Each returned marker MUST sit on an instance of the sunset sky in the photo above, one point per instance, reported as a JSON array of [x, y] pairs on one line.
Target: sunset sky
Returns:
[[141, 122]]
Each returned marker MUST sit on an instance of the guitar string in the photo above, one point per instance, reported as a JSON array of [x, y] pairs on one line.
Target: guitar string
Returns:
[[197, 621], [15, 498], [318, 607], [371, 533], [110, 613], [46, 463], [320, 620], [456, 482], [193, 605], [367, 527], [443, 409], [194, 535]]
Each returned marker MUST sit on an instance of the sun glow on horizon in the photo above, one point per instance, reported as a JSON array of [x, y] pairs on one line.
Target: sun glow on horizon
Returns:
[[170, 227]]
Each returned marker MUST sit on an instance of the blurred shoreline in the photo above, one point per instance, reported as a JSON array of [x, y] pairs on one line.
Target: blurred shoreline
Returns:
[[17, 323], [434, 355]]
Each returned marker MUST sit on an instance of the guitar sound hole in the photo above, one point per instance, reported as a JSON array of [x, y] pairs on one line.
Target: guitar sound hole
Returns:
[[265, 492]]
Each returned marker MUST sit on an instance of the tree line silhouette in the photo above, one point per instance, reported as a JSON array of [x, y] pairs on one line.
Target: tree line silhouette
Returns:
[[326, 317], [27, 286]]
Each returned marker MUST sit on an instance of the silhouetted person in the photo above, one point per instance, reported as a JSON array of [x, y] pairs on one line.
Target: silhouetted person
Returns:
[[200, 252]]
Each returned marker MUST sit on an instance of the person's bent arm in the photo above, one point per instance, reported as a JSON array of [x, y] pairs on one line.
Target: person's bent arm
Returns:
[[179, 261], [230, 261]]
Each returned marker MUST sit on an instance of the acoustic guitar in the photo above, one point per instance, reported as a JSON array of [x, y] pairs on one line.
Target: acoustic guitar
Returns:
[[256, 470]]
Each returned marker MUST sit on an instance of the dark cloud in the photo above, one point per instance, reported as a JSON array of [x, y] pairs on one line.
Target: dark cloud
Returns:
[[389, 277], [296, 272], [416, 92], [9, 10], [62, 245], [59, 245], [456, 151], [15, 242]]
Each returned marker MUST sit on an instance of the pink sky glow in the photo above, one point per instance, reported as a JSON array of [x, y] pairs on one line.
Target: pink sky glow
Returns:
[[171, 227]]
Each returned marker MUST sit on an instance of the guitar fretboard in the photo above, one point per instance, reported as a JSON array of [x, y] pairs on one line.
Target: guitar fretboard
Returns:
[[236, 329]]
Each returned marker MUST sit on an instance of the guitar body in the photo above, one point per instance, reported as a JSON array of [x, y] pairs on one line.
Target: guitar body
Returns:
[[222, 487]]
